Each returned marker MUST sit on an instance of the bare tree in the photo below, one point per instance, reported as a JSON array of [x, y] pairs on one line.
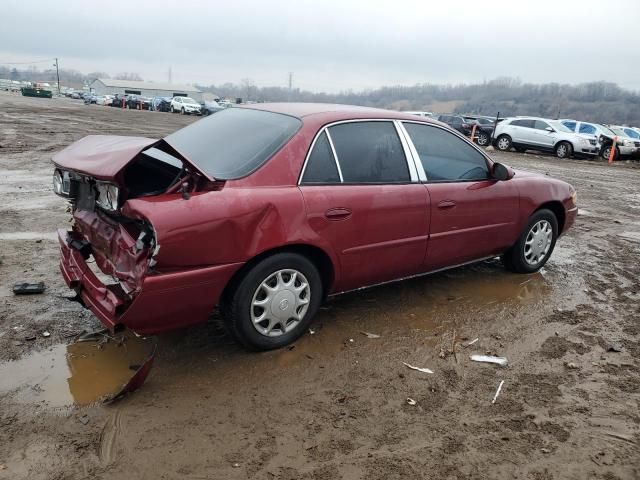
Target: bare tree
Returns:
[[128, 76]]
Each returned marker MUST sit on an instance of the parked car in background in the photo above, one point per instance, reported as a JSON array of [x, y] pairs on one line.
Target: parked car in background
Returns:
[[75, 95], [532, 133], [604, 135], [119, 100], [90, 98], [161, 104], [136, 102], [420, 113], [628, 140], [185, 105], [209, 107], [457, 122], [104, 99], [265, 211], [484, 129]]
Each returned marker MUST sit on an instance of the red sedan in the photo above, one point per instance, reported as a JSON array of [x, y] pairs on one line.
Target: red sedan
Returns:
[[264, 211]]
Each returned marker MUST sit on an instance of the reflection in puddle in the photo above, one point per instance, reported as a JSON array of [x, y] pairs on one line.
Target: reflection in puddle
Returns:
[[81, 373]]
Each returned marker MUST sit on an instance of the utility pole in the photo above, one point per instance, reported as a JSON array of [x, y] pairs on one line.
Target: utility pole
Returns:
[[58, 75]]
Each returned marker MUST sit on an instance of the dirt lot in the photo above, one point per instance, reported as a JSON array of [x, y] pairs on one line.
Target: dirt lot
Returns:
[[334, 406]]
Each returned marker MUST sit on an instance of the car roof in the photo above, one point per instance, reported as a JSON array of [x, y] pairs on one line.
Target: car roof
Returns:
[[334, 112]]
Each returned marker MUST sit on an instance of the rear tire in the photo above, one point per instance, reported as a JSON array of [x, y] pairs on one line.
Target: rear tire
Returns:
[[564, 150], [606, 151], [275, 289], [503, 143], [535, 245], [182, 111], [171, 109]]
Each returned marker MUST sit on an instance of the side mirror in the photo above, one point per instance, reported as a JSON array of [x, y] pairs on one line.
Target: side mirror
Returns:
[[502, 172], [549, 129]]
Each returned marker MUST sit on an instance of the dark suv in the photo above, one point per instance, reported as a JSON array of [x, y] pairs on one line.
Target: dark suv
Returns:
[[457, 122]]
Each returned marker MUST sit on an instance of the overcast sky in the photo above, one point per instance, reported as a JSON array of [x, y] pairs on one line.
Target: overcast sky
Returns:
[[331, 45]]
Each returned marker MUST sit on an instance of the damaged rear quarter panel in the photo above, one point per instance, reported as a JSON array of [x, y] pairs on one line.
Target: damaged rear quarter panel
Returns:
[[227, 226]]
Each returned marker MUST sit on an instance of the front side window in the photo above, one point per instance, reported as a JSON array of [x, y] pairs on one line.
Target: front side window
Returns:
[[234, 142], [571, 125], [369, 152], [445, 157], [540, 125], [321, 167]]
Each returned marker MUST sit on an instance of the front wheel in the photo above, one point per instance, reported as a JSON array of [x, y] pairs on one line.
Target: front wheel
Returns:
[[274, 302], [182, 111], [483, 139], [606, 151], [171, 109], [535, 245], [504, 143], [564, 150]]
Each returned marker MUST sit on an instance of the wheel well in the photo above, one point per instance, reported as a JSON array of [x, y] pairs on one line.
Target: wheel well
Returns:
[[558, 210], [316, 255]]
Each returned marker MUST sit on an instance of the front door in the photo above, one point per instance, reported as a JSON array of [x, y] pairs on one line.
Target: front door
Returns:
[[364, 203], [472, 215]]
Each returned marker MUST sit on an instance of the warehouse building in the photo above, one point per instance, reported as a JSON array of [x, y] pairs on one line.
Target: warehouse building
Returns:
[[108, 86]]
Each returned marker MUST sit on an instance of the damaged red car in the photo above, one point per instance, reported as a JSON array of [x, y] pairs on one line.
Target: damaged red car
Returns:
[[264, 211]]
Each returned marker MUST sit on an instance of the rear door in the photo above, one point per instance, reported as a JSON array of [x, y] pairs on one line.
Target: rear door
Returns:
[[473, 216], [364, 199], [522, 131]]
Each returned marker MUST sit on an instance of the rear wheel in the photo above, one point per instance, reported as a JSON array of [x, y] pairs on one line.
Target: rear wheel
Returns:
[[171, 109], [504, 143], [535, 245], [564, 150], [182, 111], [274, 302]]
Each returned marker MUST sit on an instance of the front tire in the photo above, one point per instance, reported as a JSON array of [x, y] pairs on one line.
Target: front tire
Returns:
[[273, 303], [483, 139], [503, 143], [564, 150], [535, 245], [182, 111], [171, 109], [606, 151]]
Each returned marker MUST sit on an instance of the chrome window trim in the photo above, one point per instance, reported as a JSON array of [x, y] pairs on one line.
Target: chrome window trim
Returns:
[[408, 154], [455, 133], [354, 120], [422, 175], [335, 155]]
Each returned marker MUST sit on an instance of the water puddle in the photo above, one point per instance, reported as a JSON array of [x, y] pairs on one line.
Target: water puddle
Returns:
[[81, 373]]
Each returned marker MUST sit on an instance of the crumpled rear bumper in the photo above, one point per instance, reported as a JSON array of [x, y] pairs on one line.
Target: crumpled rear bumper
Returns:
[[165, 301]]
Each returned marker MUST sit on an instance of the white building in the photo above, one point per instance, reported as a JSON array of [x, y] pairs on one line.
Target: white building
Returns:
[[108, 86]]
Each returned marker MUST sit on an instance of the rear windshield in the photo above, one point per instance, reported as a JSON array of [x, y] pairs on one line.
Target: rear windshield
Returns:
[[234, 142]]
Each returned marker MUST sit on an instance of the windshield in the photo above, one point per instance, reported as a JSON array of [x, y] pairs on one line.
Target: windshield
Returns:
[[606, 130], [619, 131], [188, 100], [234, 142], [560, 127]]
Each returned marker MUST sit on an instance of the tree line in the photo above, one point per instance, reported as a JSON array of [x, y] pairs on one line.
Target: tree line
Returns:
[[601, 102]]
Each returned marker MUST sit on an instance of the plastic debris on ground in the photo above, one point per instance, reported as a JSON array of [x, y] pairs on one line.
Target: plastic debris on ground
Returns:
[[370, 335], [469, 343], [495, 397], [411, 401], [423, 370], [26, 288], [489, 359]]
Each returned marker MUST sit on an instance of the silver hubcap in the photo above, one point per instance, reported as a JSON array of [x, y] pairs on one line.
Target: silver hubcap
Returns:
[[562, 150], [482, 139], [280, 302], [538, 242], [503, 144]]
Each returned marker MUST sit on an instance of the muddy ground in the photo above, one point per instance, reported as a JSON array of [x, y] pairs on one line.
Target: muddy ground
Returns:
[[334, 405]]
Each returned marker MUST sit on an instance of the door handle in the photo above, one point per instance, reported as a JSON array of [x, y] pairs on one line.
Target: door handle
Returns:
[[446, 204], [338, 213]]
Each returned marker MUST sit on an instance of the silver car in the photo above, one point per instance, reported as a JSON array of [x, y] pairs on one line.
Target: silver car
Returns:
[[532, 133]]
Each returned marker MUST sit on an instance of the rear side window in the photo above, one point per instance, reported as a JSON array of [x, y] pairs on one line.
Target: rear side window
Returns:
[[572, 126], [321, 166], [586, 128], [631, 133], [522, 123], [540, 125], [445, 157], [370, 152]]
